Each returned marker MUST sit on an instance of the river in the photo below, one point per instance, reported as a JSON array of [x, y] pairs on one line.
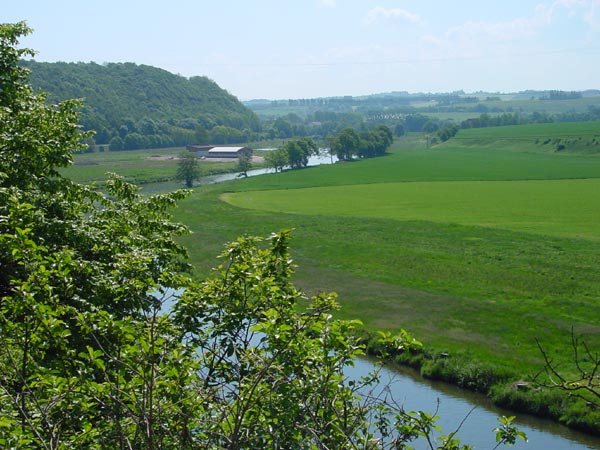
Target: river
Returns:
[[323, 158], [415, 393], [412, 391]]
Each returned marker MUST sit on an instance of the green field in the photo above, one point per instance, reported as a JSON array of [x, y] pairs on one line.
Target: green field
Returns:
[[457, 243], [137, 166], [578, 138], [542, 130], [477, 246], [565, 208]]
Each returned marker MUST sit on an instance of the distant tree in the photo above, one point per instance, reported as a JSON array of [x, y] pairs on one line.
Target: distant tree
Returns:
[[188, 169], [277, 159], [399, 130], [375, 142], [201, 135], [225, 135], [183, 136], [102, 135], [309, 148], [282, 128], [299, 151], [244, 163], [448, 132], [345, 144], [415, 122], [368, 145], [123, 131], [147, 126], [386, 134], [430, 126], [294, 154], [115, 144], [134, 141]]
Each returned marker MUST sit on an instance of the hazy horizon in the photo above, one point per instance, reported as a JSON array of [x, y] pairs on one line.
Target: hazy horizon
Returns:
[[263, 49]]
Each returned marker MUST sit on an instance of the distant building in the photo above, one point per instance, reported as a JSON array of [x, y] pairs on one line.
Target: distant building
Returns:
[[211, 151]]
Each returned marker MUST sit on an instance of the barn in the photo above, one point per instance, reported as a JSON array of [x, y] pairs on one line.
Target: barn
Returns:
[[209, 151]]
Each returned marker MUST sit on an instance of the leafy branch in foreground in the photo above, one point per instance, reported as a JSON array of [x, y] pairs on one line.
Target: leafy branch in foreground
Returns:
[[93, 356]]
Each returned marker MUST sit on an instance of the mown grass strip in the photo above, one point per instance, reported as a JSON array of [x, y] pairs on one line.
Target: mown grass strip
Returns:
[[567, 208]]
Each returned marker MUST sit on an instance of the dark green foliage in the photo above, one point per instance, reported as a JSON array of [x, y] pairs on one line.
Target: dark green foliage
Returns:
[[188, 170], [399, 130], [77, 270], [485, 120], [115, 144], [447, 133], [294, 153], [468, 374], [244, 163], [91, 355], [298, 151], [277, 159], [347, 144], [223, 135], [126, 98], [542, 403]]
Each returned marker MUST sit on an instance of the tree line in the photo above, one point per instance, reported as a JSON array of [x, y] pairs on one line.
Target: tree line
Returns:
[[345, 145], [133, 106], [349, 144]]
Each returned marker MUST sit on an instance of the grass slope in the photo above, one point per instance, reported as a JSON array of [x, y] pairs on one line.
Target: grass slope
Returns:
[[578, 138], [441, 272], [452, 161], [437, 269]]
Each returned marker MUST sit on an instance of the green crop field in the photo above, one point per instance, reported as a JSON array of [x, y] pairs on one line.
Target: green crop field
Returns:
[[541, 130]]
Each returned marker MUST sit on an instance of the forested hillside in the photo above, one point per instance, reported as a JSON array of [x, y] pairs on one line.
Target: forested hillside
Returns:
[[134, 106]]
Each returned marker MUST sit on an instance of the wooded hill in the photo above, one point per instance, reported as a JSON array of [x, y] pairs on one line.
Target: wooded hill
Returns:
[[125, 98]]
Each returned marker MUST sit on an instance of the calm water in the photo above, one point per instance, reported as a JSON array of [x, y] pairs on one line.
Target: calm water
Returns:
[[312, 161], [415, 393]]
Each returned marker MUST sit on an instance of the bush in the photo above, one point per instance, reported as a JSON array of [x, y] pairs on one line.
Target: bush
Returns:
[[478, 377]]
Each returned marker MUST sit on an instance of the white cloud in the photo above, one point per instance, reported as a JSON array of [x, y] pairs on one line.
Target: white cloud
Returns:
[[517, 28], [592, 15], [381, 13], [543, 16]]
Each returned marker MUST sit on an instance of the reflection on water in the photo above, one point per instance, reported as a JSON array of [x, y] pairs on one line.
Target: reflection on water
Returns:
[[312, 161], [415, 393]]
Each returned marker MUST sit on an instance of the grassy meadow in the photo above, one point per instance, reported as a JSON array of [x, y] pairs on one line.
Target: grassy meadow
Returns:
[[138, 166], [564, 208], [564, 138], [476, 251], [478, 246]]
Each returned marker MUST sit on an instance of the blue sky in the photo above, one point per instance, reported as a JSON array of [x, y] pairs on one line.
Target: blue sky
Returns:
[[311, 48]]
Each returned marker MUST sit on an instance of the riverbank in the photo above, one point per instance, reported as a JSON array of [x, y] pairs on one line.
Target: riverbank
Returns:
[[506, 389]]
